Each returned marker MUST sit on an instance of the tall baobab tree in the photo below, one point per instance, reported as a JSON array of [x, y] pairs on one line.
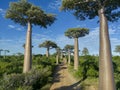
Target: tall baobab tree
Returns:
[[69, 49], [49, 45], [1, 51], [61, 53], [76, 33], [106, 10], [5, 51], [57, 54], [27, 14], [24, 46], [117, 49], [85, 51]]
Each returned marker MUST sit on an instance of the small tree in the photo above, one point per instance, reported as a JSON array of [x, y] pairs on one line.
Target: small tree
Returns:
[[27, 14], [5, 51], [69, 49], [117, 49], [1, 51], [85, 51], [57, 54], [49, 45], [76, 33]]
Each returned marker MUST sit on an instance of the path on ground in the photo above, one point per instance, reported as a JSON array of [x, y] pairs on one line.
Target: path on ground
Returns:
[[63, 80]]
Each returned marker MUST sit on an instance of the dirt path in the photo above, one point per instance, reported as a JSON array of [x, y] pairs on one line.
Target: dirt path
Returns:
[[63, 80]]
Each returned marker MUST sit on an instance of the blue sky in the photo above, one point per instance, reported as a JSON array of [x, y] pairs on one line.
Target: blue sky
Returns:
[[13, 36]]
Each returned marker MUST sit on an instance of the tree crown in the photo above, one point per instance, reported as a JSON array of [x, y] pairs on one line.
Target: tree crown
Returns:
[[85, 51], [69, 47], [22, 11], [76, 32], [83, 9], [117, 48], [48, 44]]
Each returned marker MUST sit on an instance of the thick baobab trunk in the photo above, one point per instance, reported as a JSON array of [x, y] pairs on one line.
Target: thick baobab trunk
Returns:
[[47, 52], [69, 57], [28, 50], [76, 54], [106, 77]]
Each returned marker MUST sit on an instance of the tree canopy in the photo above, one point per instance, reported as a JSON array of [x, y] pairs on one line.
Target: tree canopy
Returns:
[[117, 49], [69, 47], [76, 32], [22, 11], [48, 44], [84, 9], [85, 51]]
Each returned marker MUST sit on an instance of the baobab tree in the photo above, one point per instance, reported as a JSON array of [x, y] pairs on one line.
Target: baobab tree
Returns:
[[76, 33], [69, 49], [27, 14], [1, 51], [49, 45], [85, 51], [106, 10], [5, 51], [57, 54], [61, 53], [24, 46], [117, 49]]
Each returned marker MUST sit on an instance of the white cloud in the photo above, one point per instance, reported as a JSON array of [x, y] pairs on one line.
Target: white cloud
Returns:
[[90, 41], [18, 28], [2, 12], [11, 26], [5, 40], [55, 5]]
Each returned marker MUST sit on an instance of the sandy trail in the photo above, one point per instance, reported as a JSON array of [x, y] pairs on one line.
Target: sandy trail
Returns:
[[63, 80]]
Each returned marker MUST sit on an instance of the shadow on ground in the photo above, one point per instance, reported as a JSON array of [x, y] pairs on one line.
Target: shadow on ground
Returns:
[[71, 87]]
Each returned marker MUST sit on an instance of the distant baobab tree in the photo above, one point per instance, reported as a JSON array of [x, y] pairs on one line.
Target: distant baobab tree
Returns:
[[117, 49], [75, 33], [85, 51], [69, 49], [27, 14], [1, 51], [57, 54], [5, 51], [48, 45]]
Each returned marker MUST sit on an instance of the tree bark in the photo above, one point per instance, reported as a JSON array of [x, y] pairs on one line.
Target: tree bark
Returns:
[[69, 57], [106, 77], [47, 52], [76, 54], [28, 50]]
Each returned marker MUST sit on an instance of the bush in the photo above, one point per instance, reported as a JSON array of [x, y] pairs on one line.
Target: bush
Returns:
[[33, 80]]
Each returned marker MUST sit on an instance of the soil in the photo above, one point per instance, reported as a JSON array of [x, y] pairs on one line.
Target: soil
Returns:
[[63, 80]]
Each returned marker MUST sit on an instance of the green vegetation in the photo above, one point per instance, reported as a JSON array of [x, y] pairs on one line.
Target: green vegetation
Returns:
[[12, 78], [88, 71]]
